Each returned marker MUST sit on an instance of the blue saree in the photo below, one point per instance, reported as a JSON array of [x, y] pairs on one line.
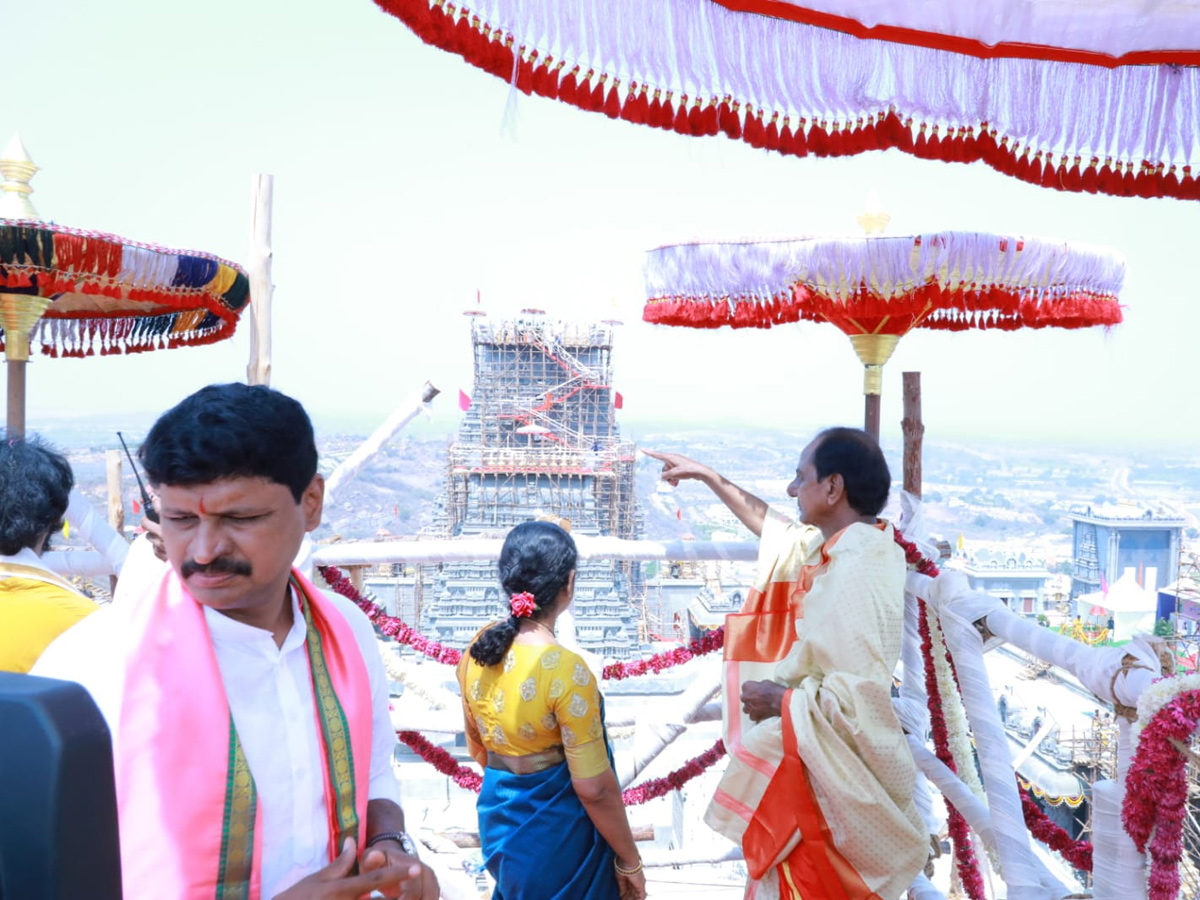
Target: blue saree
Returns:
[[538, 842]]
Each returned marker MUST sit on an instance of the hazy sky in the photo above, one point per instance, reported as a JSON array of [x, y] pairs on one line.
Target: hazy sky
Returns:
[[406, 180]]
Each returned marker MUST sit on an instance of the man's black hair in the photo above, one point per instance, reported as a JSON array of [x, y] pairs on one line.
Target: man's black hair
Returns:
[[232, 431], [855, 455], [35, 487]]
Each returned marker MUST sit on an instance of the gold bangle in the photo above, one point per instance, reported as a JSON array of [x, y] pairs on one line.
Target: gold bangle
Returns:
[[633, 871]]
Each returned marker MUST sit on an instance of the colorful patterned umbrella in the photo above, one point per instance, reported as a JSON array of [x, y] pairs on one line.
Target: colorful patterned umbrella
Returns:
[[1097, 97], [877, 289], [65, 292]]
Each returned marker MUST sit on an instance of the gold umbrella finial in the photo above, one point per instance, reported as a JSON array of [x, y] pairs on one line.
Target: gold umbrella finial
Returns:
[[873, 219], [17, 169]]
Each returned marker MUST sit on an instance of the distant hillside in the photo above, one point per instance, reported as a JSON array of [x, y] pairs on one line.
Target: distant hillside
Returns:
[[1009, 493]]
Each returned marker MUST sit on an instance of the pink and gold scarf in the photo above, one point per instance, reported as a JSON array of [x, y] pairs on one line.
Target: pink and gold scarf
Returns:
[[189, 817]]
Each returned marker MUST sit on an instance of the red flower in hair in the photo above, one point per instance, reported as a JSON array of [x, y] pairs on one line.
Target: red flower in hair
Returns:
[[522, 604]]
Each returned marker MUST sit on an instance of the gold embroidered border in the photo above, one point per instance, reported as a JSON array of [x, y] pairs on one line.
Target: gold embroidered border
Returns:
[[334, 729], [237, 827]]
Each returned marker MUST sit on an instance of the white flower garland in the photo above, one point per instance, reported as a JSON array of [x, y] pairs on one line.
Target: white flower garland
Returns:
[[957, 727], [1158, 695], [398, 670]]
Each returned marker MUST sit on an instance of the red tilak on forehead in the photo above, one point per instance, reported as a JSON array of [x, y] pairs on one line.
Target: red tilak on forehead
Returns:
[[203, 511]]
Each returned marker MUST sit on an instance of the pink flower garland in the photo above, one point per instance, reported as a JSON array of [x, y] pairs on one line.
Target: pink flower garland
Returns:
[[409, 636], [441, 760], [708, 643], [471, 780], [1156, 792], [964, 854], [960, 834], [389, 625], [660, 787], [1077, 853]]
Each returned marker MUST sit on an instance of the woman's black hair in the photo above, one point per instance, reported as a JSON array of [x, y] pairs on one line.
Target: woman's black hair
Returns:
[[35, 488], [855, 455], [232, 431], [537, 557]]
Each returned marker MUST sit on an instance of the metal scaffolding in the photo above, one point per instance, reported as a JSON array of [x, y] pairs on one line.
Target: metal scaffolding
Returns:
[[540, 437]]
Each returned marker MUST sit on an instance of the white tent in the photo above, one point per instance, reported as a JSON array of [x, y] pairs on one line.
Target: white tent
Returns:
[[1131, 606]]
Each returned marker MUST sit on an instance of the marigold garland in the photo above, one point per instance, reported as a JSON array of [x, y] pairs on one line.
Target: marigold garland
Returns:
[[1156, 791]]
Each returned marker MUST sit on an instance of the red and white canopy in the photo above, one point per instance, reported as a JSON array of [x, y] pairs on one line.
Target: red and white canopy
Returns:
[[949, 281], [1080, 95]]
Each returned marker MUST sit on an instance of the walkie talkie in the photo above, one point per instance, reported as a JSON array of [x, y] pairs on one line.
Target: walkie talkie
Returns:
[[147, 503]]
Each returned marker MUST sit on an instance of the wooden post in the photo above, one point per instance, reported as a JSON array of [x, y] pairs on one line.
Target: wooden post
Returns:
[[871, 415], [356, 576], [116, 497], [258, 268], [914, 432], [16, 397]]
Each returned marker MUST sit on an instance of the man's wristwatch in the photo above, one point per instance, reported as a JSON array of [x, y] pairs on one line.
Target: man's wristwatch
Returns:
[[400, 837]]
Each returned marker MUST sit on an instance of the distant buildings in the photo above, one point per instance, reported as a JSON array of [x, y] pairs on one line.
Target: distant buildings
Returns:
[[693, 598], [1024, 583], [539, 437], [1112, 540]]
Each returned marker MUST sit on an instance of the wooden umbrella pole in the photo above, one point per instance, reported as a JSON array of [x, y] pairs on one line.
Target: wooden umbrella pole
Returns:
[[871, 414], [914, 432], [18, 314], [873, 351], [15, 369]]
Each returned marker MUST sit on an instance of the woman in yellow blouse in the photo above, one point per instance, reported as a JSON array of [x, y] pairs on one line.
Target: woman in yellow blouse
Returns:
[[551, 820]]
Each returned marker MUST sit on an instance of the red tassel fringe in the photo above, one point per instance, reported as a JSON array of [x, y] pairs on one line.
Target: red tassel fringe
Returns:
[[447, 27], [979, 308]]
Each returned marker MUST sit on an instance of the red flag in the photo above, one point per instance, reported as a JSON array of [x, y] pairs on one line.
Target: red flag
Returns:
[[137, 507], [464, 402], [618, 400], [679, 514]]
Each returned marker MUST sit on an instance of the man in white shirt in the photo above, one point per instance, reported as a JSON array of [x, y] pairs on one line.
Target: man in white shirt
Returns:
[[249, 711]]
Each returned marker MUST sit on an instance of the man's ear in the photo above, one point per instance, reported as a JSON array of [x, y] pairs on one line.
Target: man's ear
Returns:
[[312, 501], [835, 490]]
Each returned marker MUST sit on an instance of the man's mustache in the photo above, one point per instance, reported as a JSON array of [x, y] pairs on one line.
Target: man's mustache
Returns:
[[222, 565]]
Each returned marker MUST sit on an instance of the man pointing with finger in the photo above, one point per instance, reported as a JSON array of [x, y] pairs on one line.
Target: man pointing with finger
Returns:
[[251, 736], [820, 781]]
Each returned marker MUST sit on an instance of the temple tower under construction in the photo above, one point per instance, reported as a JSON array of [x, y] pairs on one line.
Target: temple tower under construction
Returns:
[[540, 438]]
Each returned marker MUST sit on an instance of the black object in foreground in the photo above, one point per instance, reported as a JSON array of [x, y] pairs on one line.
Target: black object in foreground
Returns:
[[58, 805]]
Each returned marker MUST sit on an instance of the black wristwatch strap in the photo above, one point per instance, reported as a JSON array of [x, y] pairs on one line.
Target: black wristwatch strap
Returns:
[[400, 837]]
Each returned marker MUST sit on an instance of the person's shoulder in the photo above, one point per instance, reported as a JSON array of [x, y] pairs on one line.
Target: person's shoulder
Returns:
[[866, 539], [79, 648], [571, 661], [71, 601]]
